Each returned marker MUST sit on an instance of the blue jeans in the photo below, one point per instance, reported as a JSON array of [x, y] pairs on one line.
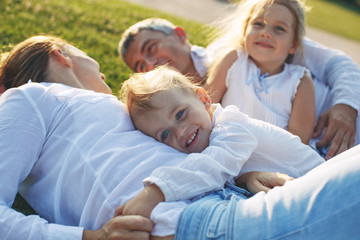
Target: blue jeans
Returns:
[[323, 204]]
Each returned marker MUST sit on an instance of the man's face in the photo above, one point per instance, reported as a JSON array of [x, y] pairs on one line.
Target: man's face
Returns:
[[150, 49]]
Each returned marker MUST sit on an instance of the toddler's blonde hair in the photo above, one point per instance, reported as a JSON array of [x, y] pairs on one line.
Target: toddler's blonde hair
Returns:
[[136, 92]]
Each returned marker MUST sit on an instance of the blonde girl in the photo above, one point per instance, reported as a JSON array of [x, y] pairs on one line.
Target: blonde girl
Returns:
[[256, 73]]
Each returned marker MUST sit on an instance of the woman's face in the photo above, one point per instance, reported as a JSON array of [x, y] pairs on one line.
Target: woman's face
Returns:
[[87, 70]]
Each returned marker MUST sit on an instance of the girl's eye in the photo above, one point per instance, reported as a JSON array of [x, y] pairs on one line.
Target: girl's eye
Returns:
[[179, 114], [258, 24], [280, 29], [164, 135]]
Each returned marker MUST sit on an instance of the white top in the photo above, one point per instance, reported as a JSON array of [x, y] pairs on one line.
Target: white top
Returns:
[[330, 66], [267, 98], [75, 156], [249, 145], [200, 59]]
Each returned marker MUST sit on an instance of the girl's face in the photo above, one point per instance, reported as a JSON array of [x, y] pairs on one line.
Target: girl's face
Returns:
[[180, 120], [270, 37], [87, 70]]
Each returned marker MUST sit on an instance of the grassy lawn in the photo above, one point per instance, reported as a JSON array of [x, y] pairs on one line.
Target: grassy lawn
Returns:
[[95, 26], [335, 16]]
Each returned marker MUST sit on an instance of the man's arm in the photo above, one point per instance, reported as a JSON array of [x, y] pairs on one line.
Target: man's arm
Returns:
[[342, 75]]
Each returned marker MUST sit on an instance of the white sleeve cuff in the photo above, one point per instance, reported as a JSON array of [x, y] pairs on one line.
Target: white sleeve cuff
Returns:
[[59, 232]]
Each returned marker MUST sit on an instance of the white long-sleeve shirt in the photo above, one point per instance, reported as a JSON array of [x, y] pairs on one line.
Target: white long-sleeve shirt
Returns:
[[240, 144], [75, 156]]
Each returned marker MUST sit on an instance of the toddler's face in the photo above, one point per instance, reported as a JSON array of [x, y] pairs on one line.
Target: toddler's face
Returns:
[[180, 120]]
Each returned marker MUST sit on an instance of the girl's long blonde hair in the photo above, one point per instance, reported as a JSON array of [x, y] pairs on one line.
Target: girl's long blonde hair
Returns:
[[230, 32]]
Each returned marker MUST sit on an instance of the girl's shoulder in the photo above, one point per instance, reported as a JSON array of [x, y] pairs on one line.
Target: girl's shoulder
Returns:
[[228, 58]]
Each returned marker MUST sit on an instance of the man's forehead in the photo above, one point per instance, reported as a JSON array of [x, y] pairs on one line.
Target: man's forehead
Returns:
[[146, 34], [136, 46]]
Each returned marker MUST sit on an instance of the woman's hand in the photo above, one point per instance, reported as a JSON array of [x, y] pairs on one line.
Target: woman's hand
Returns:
[[122, 228], [261, 181]]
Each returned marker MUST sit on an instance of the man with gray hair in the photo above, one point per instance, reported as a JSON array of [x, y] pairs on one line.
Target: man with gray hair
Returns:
[[156, 42], [147, 44]]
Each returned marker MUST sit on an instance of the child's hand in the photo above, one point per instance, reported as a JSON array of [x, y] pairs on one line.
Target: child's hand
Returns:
[[143, 203], [262, 181]]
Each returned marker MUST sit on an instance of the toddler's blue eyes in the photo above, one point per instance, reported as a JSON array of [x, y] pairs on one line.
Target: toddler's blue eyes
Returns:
[[179, 114], [164, 135]]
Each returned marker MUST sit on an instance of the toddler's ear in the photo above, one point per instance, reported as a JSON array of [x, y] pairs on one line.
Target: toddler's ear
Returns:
[[204, 97]]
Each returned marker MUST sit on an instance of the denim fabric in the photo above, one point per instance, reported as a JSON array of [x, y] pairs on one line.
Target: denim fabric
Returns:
[[323, 204]]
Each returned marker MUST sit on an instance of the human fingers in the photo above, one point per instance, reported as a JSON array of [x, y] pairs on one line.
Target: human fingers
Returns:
[[341, 142], [257, 186], [280, 179], [119, 210], [328, 136], [320, 125], [122, 228], [129, 235], [133, 223]]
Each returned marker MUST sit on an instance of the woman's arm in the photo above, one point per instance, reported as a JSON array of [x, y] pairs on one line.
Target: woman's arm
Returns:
[[216, 83], [21, 140], [302, 118]]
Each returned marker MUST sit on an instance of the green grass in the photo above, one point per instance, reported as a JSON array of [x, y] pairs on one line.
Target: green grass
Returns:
[[337, 17], [94, 26]]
